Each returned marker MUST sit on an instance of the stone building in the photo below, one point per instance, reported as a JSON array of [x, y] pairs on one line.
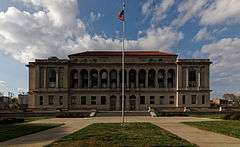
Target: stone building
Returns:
[[92, 80]]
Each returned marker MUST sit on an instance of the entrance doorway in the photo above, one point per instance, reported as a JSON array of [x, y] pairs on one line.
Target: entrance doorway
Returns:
[[132, 103], [113, 101]]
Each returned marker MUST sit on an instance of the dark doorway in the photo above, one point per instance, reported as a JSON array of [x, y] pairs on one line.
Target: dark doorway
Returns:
[[132, 103], [113, 101]]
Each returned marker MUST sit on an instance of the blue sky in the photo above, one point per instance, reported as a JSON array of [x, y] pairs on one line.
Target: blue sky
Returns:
[[32, 29]]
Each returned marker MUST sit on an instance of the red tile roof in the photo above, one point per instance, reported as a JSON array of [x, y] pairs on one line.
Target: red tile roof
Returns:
[[119, 53]]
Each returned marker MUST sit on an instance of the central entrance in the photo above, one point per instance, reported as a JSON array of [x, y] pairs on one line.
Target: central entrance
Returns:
[[113, 100], [132, 103]]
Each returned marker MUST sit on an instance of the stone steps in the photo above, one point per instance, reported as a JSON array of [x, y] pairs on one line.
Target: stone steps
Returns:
[[119, 113]]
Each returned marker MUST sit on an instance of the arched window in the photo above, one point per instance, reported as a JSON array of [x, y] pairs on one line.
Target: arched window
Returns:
[[94, 78], [142, 78], [51, 77], [171, 78], [113, 78], [84, 78], [132, 78], [74, 78], [120, 78], [151, 78], [104, 78], [161, 78]]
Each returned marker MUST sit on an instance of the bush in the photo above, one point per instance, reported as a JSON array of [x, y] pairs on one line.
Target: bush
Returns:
[[168, 114], [232, 116], [11, 120]]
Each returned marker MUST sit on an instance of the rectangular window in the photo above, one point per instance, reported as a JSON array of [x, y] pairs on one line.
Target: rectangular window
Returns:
[[103, 100], [60, 100], [161, 102], [183, 99], [40, 100], [50, 99], [142, 100], [93, 100], [203, 99], [171, 100], [83, 100], [73, 100], [194, 99], [152, 100]]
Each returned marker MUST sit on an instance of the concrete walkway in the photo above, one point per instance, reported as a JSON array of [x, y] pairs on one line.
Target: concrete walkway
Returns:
[[172, 124]]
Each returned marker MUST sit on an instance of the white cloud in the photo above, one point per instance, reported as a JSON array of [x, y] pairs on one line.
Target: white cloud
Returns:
[[48, 32], [221, 11], [188, 9], [95, 16], [203, 34], [226, 62], [159, 10]]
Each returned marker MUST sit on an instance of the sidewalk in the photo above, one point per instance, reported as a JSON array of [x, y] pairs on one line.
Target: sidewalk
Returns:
[[172, 124]]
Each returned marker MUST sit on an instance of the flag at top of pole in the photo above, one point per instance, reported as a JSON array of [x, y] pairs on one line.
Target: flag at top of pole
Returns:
[[121, 17]]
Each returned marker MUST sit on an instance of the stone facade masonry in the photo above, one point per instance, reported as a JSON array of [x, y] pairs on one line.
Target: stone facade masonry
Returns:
[[92, 80]]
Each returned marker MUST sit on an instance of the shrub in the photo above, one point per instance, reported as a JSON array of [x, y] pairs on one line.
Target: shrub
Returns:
[[235, 116], [232, 116], [168, 114], [11, 120]]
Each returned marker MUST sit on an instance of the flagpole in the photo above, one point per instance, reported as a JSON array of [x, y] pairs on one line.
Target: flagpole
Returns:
[[123, 58]]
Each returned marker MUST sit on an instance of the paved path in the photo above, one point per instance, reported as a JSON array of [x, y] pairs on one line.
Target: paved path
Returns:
[[172, 124]]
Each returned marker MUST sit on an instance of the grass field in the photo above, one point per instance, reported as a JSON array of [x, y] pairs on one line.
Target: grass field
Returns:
[[113, 134], [228, 127], [11, 131]]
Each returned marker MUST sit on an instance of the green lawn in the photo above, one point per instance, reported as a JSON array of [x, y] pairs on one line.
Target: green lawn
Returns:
[[228, 127], [113, 134], [11, 131]]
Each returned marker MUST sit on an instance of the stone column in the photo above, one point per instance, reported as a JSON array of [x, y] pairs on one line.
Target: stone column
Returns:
[[137, 82], [146, 79], [127, 76], [45, 78], [156, 78], [118, 79], [186, 77], [89, 79], [99, 81], [108, 79], [165, 79], [199, 79], [56, 86]]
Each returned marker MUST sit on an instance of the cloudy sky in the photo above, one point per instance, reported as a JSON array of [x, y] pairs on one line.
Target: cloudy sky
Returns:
[[32, 29]]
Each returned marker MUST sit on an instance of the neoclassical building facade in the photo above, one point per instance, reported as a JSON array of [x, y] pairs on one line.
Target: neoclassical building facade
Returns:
[[92, 80]]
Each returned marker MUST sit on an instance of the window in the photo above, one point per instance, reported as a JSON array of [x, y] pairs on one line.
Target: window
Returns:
[[50, 99], [142, 100], [192, 79], [51, 77], [93, 100], [161, 102], [171, 100], [83, 100], [60, 100], [194, 99], [183, 99], [203, 99], [40, 100], [152, 100], [73, 99], [103, 100]]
